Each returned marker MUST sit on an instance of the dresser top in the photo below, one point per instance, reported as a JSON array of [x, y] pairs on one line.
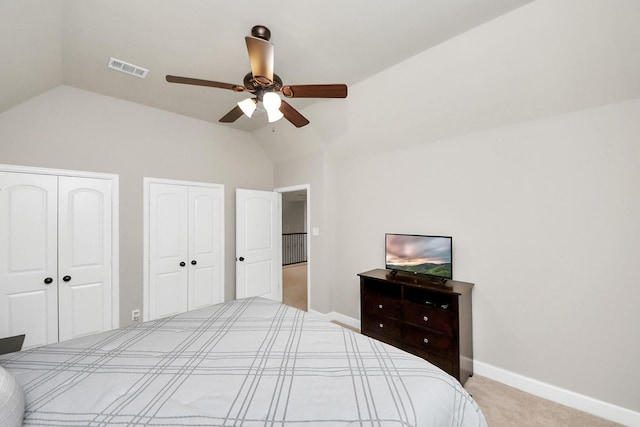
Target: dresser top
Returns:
[[418, 281]]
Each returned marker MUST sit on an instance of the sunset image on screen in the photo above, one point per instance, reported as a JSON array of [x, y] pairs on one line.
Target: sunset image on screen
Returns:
[[419, 254]]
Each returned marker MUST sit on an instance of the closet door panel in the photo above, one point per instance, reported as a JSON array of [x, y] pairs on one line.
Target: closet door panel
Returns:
[[28, 304], [168, 249], [84, 254], [168, 293], [86, 310], [205, 247]]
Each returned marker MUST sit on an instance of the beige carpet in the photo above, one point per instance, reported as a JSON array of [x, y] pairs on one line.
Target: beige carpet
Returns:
[[504, 406], [294, 285]]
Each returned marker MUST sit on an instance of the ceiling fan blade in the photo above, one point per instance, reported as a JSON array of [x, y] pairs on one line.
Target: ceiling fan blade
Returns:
[[200, 82], [291, 114], [261, 58], [232, 115], [315, 91]]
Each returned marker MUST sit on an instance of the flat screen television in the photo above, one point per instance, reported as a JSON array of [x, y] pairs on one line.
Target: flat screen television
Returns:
[[419, 254]]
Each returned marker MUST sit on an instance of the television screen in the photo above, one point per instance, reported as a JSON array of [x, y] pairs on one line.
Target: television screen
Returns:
[[417, 254]]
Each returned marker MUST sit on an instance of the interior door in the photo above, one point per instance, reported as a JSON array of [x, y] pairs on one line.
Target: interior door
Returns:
[[168, 249], [206, 281], [28, 261], [84, 256], [258, 240]]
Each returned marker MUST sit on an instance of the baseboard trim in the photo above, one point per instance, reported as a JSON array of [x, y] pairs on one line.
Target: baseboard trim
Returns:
[[565, 397]]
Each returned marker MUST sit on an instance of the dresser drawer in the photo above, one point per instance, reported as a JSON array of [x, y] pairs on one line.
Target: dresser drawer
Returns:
[[383, 328], [443, 363], [429, 341], [381, 305], [428, 317]]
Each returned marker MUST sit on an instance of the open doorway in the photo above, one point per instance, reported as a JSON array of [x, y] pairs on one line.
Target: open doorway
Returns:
[[295, 246]]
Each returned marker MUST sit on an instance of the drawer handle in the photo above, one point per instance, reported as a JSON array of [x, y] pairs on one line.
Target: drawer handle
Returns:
[[382, 325], [380, 306], [425, 318], [426, 340]]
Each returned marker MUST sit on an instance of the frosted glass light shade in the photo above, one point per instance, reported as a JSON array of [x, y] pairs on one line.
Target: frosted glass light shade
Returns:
[[271, 101], [248, 106], [274, 115]]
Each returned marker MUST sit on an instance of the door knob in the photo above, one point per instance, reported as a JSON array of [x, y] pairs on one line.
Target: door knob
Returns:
[[182, 264], [241, 258], [194, 262], [66, 278], [48, 281]]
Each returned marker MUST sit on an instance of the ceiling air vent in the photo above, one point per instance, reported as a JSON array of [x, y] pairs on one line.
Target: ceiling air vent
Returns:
[[125, 67]]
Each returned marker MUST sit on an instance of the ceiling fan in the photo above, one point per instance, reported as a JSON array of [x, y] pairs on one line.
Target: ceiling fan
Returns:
[[265, 85]]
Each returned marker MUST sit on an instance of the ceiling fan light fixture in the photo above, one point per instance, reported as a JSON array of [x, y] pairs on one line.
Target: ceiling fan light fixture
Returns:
[[271, 101], [248, 106], [274, 115]]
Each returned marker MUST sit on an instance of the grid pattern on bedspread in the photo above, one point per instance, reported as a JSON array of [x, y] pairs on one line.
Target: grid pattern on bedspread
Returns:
[[250, 362]]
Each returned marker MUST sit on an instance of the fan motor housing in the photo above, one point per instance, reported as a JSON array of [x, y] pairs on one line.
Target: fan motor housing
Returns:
[[261, 32], [253, 83]]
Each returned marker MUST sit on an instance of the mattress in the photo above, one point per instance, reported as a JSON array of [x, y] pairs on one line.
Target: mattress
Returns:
[[249, 362]]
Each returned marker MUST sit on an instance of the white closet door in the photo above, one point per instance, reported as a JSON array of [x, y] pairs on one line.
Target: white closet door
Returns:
[[168, 249], [84, 256], [205, 247], [28, 264]]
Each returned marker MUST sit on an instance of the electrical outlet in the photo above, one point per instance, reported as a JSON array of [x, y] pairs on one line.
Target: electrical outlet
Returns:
[[135, 315]]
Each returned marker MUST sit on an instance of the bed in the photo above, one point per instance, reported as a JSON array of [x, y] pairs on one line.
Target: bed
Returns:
[[249, 362]]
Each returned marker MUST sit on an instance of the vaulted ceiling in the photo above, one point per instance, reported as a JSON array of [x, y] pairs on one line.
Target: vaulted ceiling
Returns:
[[46, 43]]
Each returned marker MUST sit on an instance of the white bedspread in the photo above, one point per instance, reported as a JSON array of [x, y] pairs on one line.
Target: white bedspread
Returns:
[[249, 362]]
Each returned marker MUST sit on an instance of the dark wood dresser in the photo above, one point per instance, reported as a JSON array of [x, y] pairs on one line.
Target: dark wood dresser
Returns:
[[421, 315]]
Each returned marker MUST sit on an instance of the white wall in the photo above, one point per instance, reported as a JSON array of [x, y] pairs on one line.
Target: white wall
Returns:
[[312, 170], [67, 128], [31, 48], [520, 139], [544, 217]]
